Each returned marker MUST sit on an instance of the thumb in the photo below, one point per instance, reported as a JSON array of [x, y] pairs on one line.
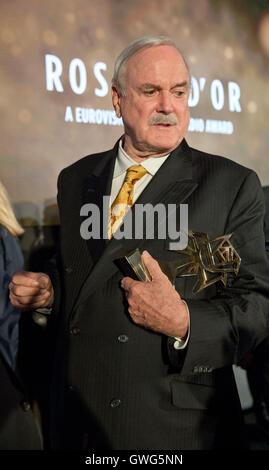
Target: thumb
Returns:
[[152, 266], [43, 280]]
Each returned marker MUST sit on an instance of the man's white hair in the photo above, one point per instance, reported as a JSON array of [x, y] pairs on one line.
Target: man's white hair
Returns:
[[142, 43]]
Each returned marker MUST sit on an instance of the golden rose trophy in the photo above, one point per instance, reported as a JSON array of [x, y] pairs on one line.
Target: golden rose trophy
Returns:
[[210, 260]]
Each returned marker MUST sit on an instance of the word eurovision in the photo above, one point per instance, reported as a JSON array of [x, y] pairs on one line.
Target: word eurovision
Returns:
[[108, 117]]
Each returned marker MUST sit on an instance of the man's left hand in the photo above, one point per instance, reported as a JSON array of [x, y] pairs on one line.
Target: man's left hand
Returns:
[[156, 304]]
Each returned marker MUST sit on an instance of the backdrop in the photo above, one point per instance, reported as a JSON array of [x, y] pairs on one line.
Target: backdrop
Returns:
[[56, 65]]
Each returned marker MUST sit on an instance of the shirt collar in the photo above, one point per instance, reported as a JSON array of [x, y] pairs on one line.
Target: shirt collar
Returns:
[[123, 161]]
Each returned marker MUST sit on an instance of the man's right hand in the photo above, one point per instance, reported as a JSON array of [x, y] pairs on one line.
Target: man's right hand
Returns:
[[29, 291]]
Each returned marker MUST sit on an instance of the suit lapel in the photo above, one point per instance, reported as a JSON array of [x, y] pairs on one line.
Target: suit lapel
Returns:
[[81, 254], [172, 184], [95, 187]]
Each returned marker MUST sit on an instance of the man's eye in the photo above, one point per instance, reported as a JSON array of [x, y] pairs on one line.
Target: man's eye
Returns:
[[149, 92], [178, 92]]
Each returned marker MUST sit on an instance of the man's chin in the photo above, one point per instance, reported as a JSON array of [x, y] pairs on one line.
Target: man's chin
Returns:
[[164, 146], [154, 147]]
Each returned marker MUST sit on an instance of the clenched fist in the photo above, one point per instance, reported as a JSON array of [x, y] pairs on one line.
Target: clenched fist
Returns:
[[29, 291]]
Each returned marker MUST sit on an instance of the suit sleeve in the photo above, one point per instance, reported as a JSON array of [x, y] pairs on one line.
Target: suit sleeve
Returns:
[[235, 320], [53, 267]]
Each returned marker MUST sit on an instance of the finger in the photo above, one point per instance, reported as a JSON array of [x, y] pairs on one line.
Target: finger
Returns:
[[44, 281], [136, 317], [131, 299], [26, 278], [28, 302], [127, 283], [22, 291], [152, 265]]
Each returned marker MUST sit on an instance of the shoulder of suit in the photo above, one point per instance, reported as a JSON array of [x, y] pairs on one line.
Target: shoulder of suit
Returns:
[[218, 161], [85, 163]]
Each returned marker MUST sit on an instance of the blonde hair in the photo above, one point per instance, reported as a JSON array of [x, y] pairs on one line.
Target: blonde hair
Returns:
[[7, 216]]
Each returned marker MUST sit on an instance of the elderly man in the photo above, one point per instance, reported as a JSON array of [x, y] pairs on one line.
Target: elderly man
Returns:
[[148, 365]]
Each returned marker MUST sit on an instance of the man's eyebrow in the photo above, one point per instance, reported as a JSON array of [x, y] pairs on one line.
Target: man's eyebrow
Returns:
[[152, 85], [181, 84], [149, 85]]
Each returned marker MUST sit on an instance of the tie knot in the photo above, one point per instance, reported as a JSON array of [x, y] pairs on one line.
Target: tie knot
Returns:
[[134, 173]]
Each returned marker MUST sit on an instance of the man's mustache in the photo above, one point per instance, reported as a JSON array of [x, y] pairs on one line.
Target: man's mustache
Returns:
[[162, 119]]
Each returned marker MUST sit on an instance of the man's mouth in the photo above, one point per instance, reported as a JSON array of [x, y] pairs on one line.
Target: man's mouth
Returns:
[[164, 124]]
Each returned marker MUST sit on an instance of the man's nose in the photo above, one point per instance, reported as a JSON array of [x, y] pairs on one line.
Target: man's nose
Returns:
[[165, 102]]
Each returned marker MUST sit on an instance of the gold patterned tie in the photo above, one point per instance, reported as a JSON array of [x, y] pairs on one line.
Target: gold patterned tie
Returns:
[[124, 199]]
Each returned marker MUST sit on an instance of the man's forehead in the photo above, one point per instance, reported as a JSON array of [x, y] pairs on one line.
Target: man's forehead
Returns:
[[150, 59], [157, 49]]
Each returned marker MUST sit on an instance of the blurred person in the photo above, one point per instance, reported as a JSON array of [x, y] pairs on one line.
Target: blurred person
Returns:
[[148, 365], [18, 427]]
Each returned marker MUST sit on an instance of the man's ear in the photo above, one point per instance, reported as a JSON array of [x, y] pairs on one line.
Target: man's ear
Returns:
[[116, 98]]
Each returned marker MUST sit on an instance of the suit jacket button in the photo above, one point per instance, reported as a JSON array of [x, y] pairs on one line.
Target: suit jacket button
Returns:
[[25, 406], [68, 270], [123, 338], [75, 331], [115, 403]]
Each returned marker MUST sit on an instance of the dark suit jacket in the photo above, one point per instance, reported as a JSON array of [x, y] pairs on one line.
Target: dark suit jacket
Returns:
[[18, 427], [120, 386]]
